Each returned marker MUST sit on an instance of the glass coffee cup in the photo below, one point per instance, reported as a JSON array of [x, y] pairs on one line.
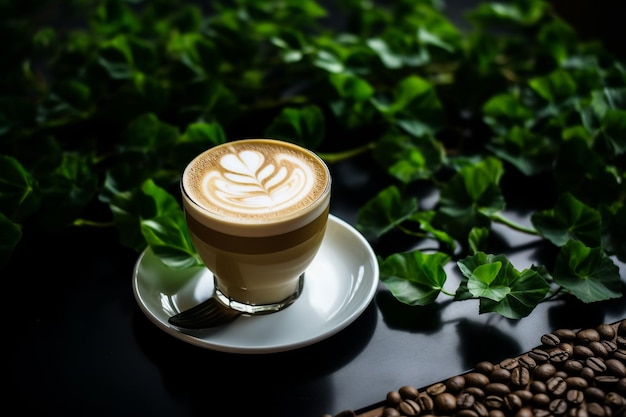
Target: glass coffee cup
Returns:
[[257, 210]]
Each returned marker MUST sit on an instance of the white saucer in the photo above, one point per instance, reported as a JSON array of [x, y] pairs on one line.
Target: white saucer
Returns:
[[338, 286]]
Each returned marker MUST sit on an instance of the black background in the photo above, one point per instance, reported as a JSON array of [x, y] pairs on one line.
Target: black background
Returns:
[[79, 344]]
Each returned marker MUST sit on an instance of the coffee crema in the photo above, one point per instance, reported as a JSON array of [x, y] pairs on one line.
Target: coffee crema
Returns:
[[256, 182]]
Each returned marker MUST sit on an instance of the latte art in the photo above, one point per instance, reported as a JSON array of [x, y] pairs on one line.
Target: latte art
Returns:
[[258, 186], [251, 182]]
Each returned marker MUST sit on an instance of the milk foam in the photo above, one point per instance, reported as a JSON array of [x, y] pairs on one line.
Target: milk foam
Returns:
[[251, 180]]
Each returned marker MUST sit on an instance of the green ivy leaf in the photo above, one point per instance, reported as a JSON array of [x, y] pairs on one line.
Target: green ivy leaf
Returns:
[[384, 212], [131, 208], [425, 220], [67, 190], [569, 219], [19, 196], [168, 237], [504, 111], [528, 151], [197, 138], [554, 87], [527, 291], [588, 273], [585, 174], [472, 193], [517, 12], [409, 158], [304, 126], [614, 230], [414, 278], [499, 286], [147, 134], [480, 282], [414, 105], [613, 126], [478, 238]]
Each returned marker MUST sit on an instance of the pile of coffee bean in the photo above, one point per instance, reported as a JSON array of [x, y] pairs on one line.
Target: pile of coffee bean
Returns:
[[573, 373]]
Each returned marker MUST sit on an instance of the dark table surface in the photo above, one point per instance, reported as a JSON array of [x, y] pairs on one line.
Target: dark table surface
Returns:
[[80, 345], [84, 347]]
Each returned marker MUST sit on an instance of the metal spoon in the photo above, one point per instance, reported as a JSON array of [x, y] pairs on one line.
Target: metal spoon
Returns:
[[209, 313]]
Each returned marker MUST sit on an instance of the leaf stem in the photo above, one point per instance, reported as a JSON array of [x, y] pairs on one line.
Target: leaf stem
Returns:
[[91, 223], [513, 225], [443, 291], [333, 157]]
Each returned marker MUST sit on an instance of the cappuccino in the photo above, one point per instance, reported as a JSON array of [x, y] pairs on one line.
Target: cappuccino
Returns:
[[257, 210]]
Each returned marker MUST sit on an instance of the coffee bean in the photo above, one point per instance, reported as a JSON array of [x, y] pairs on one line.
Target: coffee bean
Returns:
[[562, 374], [538, 386], [595, 410], [550, 339], [475, 379], [455, 384], [582, 351], [556, 385], [540, 412], [500, 375], [391, 412], [575, 396], [466, 413], [496, 413], [559, 355], [544, 371], [478, 393], [493, 401], [621, 385], [539, 355], [606, 380], [609, 345], [621, 328], [568, 347], [480, 409], [509, 363], [587, 335], [520, 376], [425, 402], [525, 395], [524, 412], [484, 367], [614, 400], [409, 408], [393, 398], [587, 373], [572, 366], [465, 400], [436, 389], [577, 412], [497, 388], [512, 402], [445, 403], [408, 391], [558, 406], [576, 382], [594, 394], [598, 349], [527, 362], [541, 400], [615, 367], [595, 363], [566, 335], [619, 354], [606, 331]]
